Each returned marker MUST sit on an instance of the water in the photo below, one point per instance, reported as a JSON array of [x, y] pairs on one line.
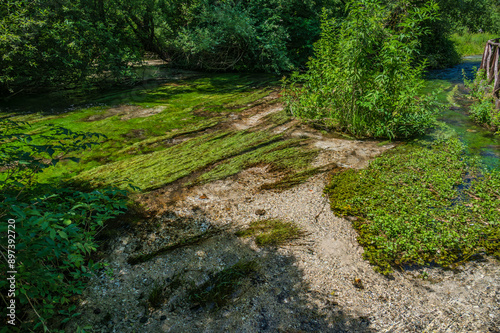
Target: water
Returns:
[[478, 140]]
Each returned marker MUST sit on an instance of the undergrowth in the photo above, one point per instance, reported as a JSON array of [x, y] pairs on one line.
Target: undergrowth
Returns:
[[483, 110], [423, 202]]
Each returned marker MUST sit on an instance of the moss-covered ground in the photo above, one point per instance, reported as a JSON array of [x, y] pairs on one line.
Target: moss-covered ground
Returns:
[[423, 202], [164, 132], [271, 232]]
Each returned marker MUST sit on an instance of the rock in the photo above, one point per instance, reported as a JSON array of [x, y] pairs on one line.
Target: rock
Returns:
[[358, 283], [260, 212]]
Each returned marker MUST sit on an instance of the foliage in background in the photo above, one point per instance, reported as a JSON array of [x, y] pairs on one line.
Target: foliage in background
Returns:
[[471, 44], [74, 43], [55, 226], [247, 35], [471, 16], [60, 43], [363, 78], [420, 203]]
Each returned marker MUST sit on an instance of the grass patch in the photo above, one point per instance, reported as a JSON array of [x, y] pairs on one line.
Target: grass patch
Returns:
[[223, 284], [419, 203], [156, 296], [471, 44], [271, 232], [236, 150], [294, 179], [284, 155]]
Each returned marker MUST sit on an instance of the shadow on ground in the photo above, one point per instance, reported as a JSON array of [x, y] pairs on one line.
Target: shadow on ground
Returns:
[[197, 286]]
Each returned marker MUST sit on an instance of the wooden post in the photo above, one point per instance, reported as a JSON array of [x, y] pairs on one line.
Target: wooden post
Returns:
[[490, 64]]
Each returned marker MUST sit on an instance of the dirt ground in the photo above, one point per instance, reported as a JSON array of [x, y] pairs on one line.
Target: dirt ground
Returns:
[[317, 283]]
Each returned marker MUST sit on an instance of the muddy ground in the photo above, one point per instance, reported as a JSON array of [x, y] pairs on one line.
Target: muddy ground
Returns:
[[317, 283]]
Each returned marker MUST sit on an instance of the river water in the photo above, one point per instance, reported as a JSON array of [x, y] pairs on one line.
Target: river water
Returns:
[[478, 140]]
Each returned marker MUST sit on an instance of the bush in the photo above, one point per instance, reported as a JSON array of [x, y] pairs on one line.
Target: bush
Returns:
[[363, 79], [483, 110], [54, 226]]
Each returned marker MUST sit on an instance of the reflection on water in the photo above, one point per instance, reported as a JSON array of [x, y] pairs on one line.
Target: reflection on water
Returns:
[[479, 141]]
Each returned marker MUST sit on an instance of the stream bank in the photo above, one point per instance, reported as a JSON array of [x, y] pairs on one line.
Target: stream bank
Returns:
[[316, 283]]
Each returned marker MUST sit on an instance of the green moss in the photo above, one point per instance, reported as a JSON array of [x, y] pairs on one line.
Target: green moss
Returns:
[[157, 142], [223, 284], [419, 203], [234, 150], [294, 179], [180, 108], [271, 232], [283, 154], [278, 118]]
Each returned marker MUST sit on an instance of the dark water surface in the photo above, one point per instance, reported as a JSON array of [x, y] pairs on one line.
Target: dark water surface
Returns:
[[478, 140]]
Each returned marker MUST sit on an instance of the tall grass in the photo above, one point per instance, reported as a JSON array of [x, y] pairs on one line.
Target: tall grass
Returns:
[[471, 44]]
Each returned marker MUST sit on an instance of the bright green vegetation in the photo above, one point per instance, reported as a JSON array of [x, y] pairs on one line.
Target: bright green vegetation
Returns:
[[471, 44], [234, 150], [483, 110], [54, 225], [189, 112], [421, 202], [222, 285], [271, 232], [363, 79]]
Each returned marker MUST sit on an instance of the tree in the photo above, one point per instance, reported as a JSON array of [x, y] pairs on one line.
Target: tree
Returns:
[[364, 79], [60, 43]]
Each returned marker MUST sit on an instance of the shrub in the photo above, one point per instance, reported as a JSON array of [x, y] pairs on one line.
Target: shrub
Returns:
[[483, 109], [363, 79], [55, 226]]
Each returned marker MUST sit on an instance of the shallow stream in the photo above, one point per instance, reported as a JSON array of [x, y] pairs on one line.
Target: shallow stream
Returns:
[[478, 140]]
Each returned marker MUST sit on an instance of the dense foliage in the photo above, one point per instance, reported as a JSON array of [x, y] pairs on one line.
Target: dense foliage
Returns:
[[363, 77], [55, 226], [71, 43], [422, 202], [47, 43], [466, 16], [219, 35]]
